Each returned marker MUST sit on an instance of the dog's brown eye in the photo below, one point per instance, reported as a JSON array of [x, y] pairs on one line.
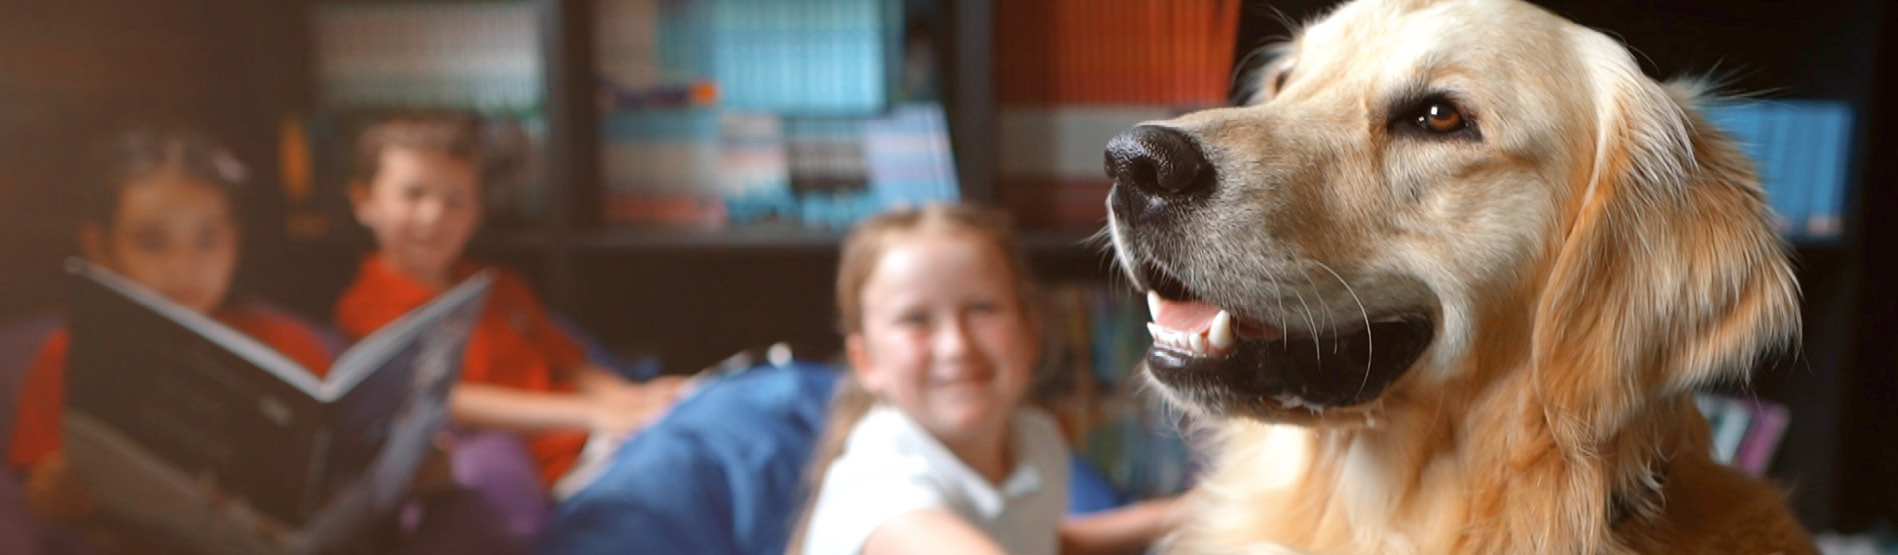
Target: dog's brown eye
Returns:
[[1432, 117], [1441, 117]]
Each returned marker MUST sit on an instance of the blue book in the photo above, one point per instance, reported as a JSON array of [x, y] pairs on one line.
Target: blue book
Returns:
[[1801, 167], [1832, 123], [1743, 123], [1727, 421], [907, 150], [1776, 166], [1761, 133], [807, 57]]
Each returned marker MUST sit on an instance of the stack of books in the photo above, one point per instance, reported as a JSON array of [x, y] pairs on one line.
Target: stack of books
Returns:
[[1070, 74], [731, 112], [481, 55]]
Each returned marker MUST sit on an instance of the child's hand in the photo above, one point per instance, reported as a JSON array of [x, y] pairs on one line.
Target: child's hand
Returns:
[[53, 493], [622, 408]]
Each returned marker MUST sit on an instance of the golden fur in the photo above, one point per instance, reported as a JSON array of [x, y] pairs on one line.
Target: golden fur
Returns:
[[1597, 254]]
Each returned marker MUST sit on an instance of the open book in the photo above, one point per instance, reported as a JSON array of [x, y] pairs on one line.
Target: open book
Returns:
[[182, 426]]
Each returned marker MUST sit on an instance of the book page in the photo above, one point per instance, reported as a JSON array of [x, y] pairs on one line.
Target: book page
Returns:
[[373, 351]]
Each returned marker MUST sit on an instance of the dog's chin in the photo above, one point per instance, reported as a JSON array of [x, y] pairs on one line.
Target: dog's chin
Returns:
[[1299, 379]]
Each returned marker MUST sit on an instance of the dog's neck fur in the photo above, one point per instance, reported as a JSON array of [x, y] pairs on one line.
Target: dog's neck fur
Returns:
[[1409, 486], [1412, 483]]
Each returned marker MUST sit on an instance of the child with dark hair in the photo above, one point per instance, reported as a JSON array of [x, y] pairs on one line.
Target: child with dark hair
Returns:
[[160, 211]]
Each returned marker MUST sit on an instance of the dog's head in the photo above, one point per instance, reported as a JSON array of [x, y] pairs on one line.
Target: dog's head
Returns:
[[1427, 195]]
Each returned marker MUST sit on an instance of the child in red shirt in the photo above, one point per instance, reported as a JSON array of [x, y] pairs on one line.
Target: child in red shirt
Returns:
[[161, 214], [418, 188]]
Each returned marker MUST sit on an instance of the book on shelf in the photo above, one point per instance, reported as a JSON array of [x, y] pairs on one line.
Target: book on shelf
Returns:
[[214, 442], [1802, 151], [477, 55], [1728, 419], [807, 57], [1745, 432], [662, 166], [1832, 158], [1763, 436]]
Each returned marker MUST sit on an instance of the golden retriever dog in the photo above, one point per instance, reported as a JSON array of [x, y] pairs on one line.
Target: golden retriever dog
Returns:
[[1446, 283]]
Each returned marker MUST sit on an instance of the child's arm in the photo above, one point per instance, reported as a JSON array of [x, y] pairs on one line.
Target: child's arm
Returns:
[[492, 406], [605, 404], [622, 406], [1129, 529], [928, 531]]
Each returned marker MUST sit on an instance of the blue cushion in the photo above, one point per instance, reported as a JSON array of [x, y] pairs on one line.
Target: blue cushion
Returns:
[[723, 473], [1089, 489]]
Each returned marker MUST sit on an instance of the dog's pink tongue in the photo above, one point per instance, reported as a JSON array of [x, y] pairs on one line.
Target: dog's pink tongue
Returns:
[[1186, 316]]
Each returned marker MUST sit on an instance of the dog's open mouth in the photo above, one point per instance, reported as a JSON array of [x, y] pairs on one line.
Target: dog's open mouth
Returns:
[[1201, 348]]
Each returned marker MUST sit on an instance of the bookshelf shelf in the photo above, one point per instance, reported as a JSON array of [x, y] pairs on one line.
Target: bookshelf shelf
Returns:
[[756, 236], [767, 236]]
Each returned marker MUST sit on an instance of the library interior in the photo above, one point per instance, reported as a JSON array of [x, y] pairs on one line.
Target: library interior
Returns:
[[663, 203]]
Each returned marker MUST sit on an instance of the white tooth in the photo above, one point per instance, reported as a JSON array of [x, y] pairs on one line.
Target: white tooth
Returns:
[[1199, 343], [1153, 304], [1156, 331], [1220, 335]]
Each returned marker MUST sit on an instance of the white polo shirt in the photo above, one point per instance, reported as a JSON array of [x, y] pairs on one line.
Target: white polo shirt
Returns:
[[892, 466]]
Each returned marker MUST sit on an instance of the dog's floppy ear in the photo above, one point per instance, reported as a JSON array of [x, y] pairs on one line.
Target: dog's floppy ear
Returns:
[[1671, 274]]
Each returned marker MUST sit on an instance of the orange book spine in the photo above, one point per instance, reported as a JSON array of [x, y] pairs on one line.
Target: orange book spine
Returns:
[[1123, 56], [1064, 52], [1092, 37], [1079, 35], [1226, 31], [1185, 44]]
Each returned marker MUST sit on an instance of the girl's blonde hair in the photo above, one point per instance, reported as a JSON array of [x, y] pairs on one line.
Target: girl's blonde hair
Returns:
[[862, 250]]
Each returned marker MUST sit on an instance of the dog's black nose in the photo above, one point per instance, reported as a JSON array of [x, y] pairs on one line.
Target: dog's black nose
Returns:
[[1158, 161]]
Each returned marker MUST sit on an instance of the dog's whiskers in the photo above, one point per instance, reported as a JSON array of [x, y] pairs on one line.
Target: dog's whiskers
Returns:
[[1370, 339], [1278, 295], [1311, 323], [1331, 320]]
